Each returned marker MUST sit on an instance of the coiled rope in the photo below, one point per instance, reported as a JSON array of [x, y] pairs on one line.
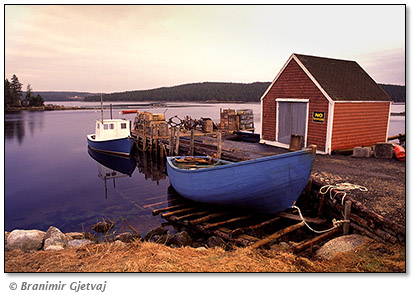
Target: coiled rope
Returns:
[[341, 189]]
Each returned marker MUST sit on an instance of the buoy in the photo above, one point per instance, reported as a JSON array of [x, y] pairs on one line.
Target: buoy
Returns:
[[399, 152]]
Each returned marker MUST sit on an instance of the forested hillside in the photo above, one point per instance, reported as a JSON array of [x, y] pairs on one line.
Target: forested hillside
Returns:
[[207, 91], [214, 91], [396, 92]]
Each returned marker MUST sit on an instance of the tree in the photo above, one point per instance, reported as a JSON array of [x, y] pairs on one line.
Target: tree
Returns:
[[16, 90], [37, 101], [8, 99], [28, 97]]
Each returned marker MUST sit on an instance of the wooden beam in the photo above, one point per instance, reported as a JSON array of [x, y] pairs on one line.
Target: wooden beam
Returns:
[[206, 218], [298, 218], [314, 241], [277, 235], [178, 211], [242, 230], [158, 211], [210, 225]]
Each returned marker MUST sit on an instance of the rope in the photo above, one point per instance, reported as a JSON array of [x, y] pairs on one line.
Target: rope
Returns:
[[341, 189], [336, 223]]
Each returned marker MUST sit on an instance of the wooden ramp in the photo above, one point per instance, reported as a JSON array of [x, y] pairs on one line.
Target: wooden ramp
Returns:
[[245, 228]]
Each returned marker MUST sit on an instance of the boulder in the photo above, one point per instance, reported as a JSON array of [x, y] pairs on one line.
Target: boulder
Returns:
[[74, 236], [103, 226], [54, 237], [215, 241], [164, 239], [25, 240], [79, 243], [181, 239], [155, 232], [340, 245], [127, 237], [54, 248]]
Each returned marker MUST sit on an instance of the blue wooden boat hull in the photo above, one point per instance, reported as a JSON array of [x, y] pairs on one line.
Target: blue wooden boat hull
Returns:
[[267, 185], [120, 146]]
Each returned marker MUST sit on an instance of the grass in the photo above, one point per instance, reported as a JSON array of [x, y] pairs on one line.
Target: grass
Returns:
[[152, 257]]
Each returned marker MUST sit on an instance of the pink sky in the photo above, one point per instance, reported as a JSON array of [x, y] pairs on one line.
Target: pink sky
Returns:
[[120, 48]]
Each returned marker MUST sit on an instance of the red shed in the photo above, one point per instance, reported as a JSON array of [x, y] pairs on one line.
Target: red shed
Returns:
[[332, 103]]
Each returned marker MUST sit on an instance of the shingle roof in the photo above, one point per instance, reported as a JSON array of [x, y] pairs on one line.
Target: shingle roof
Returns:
[[343, 80]]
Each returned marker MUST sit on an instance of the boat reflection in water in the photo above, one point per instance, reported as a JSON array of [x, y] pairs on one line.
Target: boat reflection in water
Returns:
[[112, 166]]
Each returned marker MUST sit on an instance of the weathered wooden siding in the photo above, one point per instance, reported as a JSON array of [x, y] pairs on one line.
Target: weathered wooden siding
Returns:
[[293, 82], [357, 124]]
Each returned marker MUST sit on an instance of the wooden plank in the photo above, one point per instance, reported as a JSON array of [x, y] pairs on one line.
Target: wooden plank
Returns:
[[277, 235], [314, 241], [178, 211], [158, 211], [242, 230], [210, 225], [179, 218], [206, 218], [298, 218]]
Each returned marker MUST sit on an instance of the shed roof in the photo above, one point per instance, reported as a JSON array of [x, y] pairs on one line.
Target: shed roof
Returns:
[[343, 80]]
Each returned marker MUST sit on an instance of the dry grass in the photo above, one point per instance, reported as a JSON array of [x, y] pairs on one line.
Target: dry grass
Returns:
[[151, 257]]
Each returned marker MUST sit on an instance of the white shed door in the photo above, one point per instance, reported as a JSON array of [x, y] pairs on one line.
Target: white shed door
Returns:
[[292, 119]]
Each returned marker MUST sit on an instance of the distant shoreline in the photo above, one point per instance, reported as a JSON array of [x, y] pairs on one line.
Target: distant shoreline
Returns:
[[48, 107]]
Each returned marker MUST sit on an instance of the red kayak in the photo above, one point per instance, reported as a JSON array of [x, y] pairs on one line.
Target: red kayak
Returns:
[[129, 111]]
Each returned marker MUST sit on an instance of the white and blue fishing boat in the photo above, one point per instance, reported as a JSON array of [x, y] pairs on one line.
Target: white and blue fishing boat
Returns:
[[111, 136], [268, 185]]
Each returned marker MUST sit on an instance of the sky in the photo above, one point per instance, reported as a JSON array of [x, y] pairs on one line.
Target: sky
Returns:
[[107, 48]]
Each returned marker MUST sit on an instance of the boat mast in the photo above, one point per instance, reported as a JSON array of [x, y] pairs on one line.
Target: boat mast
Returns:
[[102, 111]]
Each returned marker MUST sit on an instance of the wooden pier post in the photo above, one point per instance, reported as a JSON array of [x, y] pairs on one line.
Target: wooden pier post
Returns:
[[347, 210], [192, 142], [219, 154], [176, 151], [171, 139]]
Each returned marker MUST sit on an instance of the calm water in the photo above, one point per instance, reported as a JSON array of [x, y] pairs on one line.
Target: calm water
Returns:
[[51, 179]]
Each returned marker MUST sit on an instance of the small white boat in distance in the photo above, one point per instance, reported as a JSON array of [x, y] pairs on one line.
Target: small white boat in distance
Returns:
[[112, 136]]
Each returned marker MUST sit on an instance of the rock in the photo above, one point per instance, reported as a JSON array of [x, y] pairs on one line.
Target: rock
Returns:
[[127, 237], [103, 226], [74, 236], [155, 232], [53, 248], [79, 243], [54, 237], [383, 150], [120, 244], [362, 152], [25, 240], [181, 239], [215, 241], [164, 239], [340, 245]]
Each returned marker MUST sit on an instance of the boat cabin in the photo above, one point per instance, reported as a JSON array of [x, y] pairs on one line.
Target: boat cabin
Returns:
[[331, 103], [112, 129]]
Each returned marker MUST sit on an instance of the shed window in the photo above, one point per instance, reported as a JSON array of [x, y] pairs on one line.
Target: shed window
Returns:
[[112, 126], [123, 125], [97, 125], [105, 126]]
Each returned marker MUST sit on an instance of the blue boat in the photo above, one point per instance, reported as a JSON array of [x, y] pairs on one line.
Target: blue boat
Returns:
[[112, 136], [268, 185]]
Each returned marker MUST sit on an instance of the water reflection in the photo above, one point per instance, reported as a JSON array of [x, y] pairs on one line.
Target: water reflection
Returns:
[[112, 167], [153, 168], [15, 124]]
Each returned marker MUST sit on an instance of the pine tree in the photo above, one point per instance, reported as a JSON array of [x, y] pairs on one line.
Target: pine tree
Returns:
[[16, 90], [28, 98], [8, 99]]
